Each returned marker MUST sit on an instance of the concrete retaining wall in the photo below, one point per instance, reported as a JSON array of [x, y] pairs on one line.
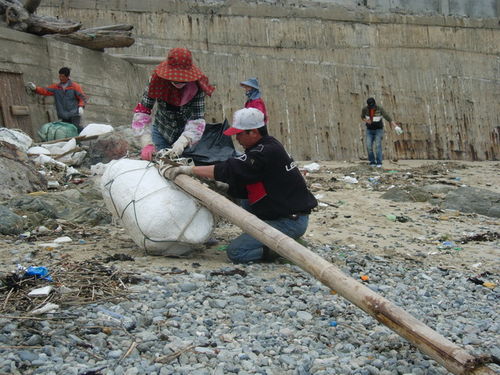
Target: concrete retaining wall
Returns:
[[438, 76]]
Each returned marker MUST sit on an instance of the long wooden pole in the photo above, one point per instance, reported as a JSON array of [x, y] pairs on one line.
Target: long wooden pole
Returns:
[[451, 356]]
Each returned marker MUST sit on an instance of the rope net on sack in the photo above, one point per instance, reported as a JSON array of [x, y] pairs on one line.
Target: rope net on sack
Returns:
[[160, 218]]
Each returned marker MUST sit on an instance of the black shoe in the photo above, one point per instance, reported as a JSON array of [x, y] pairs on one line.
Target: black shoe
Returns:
[[269, 256]]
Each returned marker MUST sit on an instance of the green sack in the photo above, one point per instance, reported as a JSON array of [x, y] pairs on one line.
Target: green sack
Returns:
[[57, 130]]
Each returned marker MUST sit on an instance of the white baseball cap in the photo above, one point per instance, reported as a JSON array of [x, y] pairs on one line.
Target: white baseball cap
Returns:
[[246, 119]]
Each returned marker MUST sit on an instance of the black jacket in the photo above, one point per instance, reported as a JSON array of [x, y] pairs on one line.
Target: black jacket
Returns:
[[269, 178]]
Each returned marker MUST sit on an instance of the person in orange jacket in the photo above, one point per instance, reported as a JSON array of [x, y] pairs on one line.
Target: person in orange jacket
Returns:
[[69, 98]]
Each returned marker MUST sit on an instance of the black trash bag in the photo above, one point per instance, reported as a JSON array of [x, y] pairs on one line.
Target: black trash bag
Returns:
[[213, 146]]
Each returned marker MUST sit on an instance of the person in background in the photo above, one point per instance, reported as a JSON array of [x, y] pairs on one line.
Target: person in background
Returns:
[[178, 88], [373, 116], [266, 178], [69, 97], [254, 99]]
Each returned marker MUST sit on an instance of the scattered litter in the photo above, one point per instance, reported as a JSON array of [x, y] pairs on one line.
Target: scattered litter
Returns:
[[64, 239], [38, 272], [350, 180], [403, 219], [96, 129], [487, 236], [53, 184], [391, 217], [449, 245], [364, 278], [333, 323], [489, 285], [120, 257], [49, 307], [230, 272], [41, 292], [313, 167]]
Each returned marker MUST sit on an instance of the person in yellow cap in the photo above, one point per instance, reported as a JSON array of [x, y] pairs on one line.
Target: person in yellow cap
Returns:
[[265, 177], [178, 87]]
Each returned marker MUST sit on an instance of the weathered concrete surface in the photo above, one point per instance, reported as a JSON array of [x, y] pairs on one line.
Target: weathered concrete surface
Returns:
[[438, 76], [111, 83]]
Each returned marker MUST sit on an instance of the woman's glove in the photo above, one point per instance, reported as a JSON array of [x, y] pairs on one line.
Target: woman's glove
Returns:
[[80, 111], [178, 147], [398, 130], [139, 122], [147, 152]]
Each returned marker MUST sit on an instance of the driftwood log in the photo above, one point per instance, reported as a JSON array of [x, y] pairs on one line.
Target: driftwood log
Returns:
[[451, 356], [98, 38], [22, 17]]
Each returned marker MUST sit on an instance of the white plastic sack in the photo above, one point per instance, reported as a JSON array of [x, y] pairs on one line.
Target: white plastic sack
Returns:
[[38, 150], [16, 137], [96, 129], [160, 218], [65, 147]]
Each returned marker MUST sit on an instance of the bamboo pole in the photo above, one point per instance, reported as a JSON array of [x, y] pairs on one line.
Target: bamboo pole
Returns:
[[443, 351]]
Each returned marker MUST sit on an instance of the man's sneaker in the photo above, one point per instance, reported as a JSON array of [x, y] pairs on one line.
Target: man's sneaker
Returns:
[[269, 256], [379, 165]]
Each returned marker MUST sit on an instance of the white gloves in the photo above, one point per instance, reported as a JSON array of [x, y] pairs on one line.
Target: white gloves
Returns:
[[171, 172], [178, 147], [398, 130], [31, 86], [80, 111]]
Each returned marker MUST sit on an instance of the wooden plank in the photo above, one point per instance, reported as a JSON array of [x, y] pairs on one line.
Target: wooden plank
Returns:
[[13, 95]]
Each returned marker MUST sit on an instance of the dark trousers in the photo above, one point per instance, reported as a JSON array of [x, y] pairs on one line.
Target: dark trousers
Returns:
[[75, 120]]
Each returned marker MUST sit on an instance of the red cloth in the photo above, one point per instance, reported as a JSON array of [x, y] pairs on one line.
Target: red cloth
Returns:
[[258, 104], [160, 88]]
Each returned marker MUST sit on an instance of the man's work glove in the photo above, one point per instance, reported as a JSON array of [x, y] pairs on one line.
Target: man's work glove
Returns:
[[178, 147], [171, 172], [80, 111], [31, 86]]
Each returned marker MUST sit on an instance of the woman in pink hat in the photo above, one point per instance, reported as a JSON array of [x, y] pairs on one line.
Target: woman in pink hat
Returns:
[[179, 88]]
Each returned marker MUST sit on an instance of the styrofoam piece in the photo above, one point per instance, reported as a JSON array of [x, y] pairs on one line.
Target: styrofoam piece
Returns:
[[41, 292], [96, 129], [38, 150], [313, 167], [64, 239], [160, 218], [49, 307]]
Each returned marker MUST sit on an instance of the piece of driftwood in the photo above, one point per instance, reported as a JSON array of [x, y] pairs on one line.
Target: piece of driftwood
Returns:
[[16, 16], [44, 25], [98, 38], [21, 17], [451, 356]]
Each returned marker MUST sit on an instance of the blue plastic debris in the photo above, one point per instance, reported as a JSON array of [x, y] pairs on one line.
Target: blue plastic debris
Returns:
[[38, 272]]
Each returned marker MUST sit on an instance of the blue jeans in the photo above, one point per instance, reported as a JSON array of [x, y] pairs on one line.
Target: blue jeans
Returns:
[[158, 140], [374, 136], [245, 248]]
